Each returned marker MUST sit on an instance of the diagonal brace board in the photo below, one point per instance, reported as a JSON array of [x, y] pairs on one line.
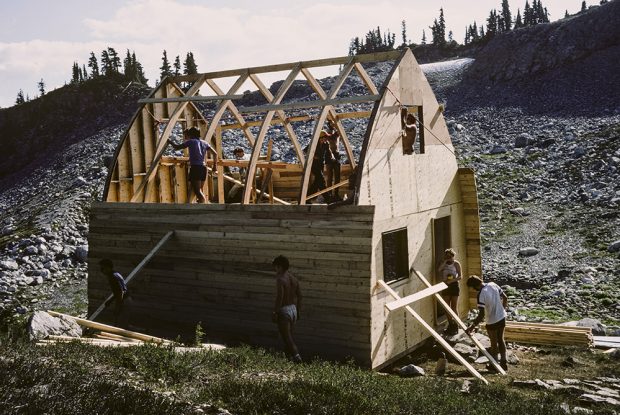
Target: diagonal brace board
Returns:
[[456, 318], [410, 299], [436, 335], [136, 270]]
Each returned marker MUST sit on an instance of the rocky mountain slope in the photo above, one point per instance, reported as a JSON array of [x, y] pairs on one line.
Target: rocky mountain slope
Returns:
[[547, 176]]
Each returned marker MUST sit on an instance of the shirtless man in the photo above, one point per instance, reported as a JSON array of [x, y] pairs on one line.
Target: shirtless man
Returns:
[[332, 163], [287, 305], [411, 131]]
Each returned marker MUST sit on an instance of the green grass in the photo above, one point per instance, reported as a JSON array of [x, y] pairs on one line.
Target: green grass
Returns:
[[75, 379]]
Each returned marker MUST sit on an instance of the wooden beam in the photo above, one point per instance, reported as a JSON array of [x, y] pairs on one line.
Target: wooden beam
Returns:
[[405, 301], [233, 180], [195, 98], [436, 335], [219, 112], [235, 112], [287, 125], [334, 116], [112, 329], [328, 189], [366, 78], [370, 57], [220, 169], [311, 104], [462, 325], [251, 172], [136, 270], [299, 118], [318, 126]]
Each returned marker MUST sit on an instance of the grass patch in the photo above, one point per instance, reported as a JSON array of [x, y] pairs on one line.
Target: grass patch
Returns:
[[553, 315], [76, 378]]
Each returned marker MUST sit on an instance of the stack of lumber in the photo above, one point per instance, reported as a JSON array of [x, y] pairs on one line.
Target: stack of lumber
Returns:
[[110, 336], [548, 334]]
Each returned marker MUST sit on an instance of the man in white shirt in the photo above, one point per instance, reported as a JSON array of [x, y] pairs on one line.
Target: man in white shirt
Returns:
[[492, 303]]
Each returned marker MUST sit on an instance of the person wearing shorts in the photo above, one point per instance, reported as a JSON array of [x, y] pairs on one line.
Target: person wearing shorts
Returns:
[[492, 303], [287, 305], [197, 149], [450, 272]]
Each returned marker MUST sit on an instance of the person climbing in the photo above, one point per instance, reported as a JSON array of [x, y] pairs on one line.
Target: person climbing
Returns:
[[410, 133], [197, 153], [450, 272], [350, 195], [492, 303], [287, 305], [321, 154], [119, 292], [332, 162]]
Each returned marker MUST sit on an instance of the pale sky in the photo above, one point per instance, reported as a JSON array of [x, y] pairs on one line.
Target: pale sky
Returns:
[[42, 38]]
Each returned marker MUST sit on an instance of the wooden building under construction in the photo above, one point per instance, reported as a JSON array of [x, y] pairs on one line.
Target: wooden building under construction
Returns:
[[214, 265]]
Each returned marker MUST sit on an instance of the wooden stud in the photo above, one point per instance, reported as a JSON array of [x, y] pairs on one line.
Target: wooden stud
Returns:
[[405, 301]]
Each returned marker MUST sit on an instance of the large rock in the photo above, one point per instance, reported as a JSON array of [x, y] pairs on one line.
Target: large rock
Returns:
[[523, 140], [597, 327], [528, 251], [42, 325], [9, 265], [411, 370], [614, 247]]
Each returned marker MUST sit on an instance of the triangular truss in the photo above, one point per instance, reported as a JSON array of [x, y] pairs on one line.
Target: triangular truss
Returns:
[[143, 174]]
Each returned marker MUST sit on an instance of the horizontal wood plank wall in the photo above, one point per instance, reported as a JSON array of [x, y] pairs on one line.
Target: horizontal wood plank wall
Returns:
[[469, 194], [217, 270]]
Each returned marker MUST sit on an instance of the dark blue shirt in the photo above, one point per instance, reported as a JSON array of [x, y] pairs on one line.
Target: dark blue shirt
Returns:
[[197, 151]]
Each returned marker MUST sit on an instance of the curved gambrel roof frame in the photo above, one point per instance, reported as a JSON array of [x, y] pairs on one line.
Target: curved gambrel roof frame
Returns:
[[139, 153]]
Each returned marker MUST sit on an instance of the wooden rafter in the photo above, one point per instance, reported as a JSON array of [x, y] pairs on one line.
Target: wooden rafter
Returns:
[[334, 116], [317, 130], [263, 132], [280, 113], [297, 118], [196, 98], [221, 109], [311, 104], [235, 112], [371, 57]]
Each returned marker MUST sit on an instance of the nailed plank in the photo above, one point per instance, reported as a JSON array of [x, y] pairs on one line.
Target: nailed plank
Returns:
[[405, 301]]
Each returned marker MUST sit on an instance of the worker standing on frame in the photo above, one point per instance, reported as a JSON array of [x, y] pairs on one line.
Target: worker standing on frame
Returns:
[[332, 162], [197, 154]]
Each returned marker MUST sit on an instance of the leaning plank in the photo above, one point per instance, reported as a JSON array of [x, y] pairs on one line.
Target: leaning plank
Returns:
[[436, 335], [112, 329], [405, 301], [461, 324], [137, 269]]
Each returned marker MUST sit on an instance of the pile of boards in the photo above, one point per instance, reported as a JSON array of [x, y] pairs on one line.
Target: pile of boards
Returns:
[[548, 334], [110, 336]]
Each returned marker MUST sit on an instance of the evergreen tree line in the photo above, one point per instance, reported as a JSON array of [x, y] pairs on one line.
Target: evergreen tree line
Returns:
[[109, 65], [189, 66], [374, 41]]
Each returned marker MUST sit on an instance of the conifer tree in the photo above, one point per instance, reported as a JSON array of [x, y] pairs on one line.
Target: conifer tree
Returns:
[[506, 16], [75, 73], [189, 64], [20, 97], [138, 70], [92, 64], [583, 5], [41, 86], [177, 66], [128, 68], [527, 15], [84, 72], [105, 63], [164, 69], [518, 21], [115, 60], [566, 14], [403, 26], [423, 37]]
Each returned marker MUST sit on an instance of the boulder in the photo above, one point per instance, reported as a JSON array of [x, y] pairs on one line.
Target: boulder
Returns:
[[411, 370], [614, 247], [42, 324], [597, 327], [528, 251], [9, 265]]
